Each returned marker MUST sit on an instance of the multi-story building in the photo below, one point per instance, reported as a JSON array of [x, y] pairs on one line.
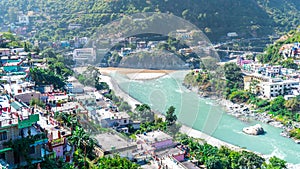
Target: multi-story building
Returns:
[[157, 140], [84, 55], [57, 146], [4, 52], [272, 70], [20, 138], [111, 118], [276, 87], [23, 19], [269, 87], [251, 82]]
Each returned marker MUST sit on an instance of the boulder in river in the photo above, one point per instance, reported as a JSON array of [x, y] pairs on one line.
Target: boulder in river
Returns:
[[254, 130]]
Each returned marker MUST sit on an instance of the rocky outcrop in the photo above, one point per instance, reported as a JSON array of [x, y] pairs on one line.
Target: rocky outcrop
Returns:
[[254, 130]]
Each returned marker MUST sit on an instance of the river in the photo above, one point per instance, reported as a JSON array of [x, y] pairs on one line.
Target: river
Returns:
[[207, 115]]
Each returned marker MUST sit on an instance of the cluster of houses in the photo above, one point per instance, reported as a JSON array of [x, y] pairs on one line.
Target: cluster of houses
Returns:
[[270, 81], [20, 120], [290, 50]]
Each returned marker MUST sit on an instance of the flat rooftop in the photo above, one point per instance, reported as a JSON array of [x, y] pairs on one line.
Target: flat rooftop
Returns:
[[154, 136], [110, 141], [169, 151], [68, 106]]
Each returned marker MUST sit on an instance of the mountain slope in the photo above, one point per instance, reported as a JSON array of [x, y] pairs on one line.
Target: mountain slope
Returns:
[[249, 18]]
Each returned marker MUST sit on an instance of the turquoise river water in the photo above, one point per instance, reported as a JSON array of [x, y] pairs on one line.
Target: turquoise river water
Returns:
[[207, 116]]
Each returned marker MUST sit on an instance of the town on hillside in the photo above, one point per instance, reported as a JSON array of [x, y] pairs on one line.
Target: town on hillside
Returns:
[[58, 110]]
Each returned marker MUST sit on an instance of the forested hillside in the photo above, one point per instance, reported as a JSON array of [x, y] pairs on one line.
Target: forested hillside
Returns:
[[249, 18]]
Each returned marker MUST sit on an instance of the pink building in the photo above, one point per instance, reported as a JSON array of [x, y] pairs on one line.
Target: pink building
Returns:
[[156, 139]]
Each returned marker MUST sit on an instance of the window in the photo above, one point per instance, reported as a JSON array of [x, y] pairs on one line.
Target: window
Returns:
[[2, 156], [3, 136], [32, 150], [125, 121]]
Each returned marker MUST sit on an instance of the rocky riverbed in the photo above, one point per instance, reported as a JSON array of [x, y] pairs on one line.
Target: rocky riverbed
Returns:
[[244, 113]]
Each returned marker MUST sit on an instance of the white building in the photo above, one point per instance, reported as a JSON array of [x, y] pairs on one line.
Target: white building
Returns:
[[276, 87], [273, 70], [74, 26], [232, 34], [23, 19], [84, 55]]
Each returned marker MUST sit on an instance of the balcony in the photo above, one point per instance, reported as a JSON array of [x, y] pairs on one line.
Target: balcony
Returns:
[[8, 122]]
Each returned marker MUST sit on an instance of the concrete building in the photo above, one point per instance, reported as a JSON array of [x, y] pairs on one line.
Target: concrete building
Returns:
[[156, 139], [74, 26], [84, 55], [57, 145], [23, 19], [272, 70], [251, 82], [269, 87], [112, 143], [110, 118], [276, 87], [4, 52], [17, 122]]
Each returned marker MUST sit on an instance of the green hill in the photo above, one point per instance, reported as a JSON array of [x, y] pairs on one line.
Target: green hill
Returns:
[[273, 54], [249, 18]]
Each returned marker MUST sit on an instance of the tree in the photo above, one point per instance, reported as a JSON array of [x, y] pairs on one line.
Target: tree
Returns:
[[115, 162], [170, 116], [144, 113], [250, 160], [46, 77], [277, 104], [293, 104], [275, 163], [214, 162], [233, 75], [79, 136], [48, 53], [234, 159], [289, 63]]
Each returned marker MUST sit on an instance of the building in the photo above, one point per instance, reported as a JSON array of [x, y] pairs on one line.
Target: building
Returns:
[[4, 52], [272, 70], [156, 139], [112, 143], [185, 51], [74, 26], [84, 55], [276, 87], [253, 67], [23, 19], [110, 118], [17, 50], [17, 123], [232, 34], [57, 145], [251, 82], [286, 71], [12, 65], [125, 52], [269, 87]]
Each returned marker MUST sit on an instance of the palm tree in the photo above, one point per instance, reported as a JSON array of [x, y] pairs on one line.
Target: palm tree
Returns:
[[79, 136]]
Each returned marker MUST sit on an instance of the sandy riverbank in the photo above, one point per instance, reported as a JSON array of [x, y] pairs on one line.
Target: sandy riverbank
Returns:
[[136, 74]]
